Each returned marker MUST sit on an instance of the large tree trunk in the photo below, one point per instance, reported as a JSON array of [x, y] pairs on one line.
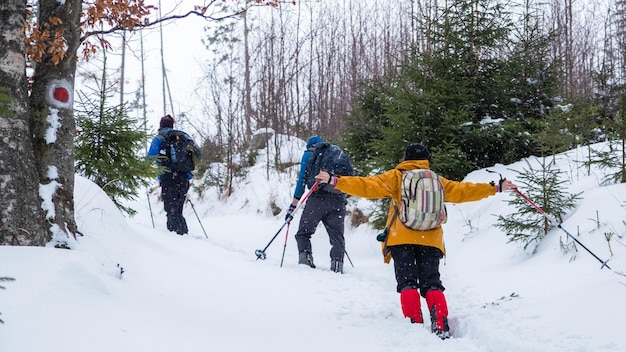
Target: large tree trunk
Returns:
[[21, 216], [52, 121]]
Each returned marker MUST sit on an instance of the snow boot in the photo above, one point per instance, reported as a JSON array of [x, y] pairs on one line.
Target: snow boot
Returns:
[[171, 223], [306, 257], [410, 301], [438, 309], [183, 230], [336, 265]]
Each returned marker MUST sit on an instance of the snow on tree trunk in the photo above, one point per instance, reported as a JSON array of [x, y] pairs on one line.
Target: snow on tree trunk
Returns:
[[21, 216], [52, 122]]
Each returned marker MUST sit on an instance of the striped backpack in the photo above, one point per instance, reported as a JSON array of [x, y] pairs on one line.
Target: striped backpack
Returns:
[[422, 207]]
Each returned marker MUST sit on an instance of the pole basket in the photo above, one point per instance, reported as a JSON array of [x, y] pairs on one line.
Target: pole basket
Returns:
[[260, 254]]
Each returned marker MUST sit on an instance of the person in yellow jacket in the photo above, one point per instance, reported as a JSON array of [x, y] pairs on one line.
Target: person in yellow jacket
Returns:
[[416, 254]]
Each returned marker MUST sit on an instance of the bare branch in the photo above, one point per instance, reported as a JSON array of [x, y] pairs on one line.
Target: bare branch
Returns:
[[165, 19]]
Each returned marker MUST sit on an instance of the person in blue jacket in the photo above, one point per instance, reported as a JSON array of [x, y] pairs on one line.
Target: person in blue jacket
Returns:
[[325, 204], [174, 185]]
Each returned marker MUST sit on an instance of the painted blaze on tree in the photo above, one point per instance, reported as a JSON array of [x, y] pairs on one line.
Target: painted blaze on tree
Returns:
[[59, 94]]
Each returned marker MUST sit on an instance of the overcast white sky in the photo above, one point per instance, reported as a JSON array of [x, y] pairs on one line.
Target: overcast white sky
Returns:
[[184, 55]]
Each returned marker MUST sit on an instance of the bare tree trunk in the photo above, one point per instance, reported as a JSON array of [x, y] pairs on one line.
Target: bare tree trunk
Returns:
[[52, 121], [248, 112], [123, 69], [21, 216]]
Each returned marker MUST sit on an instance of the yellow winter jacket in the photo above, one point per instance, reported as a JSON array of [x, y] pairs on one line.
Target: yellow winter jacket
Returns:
[[388, 185]]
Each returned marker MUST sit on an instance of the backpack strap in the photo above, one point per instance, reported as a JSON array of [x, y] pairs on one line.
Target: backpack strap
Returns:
[[313, 156], [395, 215], [396, 211], [386, 250]]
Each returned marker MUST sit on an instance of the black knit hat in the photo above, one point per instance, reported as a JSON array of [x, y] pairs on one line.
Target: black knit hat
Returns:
[[167, 121], [416, 151]]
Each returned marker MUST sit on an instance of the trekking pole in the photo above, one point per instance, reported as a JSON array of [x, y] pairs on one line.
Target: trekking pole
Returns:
[[552, 220], [347, 256], [260, 253], [197, 217], [285, 245], [150, 207]]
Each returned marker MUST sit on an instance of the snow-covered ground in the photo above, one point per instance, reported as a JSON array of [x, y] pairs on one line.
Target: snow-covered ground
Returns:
[[128, 286]]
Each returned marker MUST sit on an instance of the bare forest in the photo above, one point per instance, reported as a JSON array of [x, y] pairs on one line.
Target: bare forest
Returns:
[[298, 68], [479, 81]]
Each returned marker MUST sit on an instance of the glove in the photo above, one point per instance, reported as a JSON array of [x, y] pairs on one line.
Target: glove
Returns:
[[289, 215]]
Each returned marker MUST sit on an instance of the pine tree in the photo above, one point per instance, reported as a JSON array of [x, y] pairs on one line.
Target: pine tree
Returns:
[[108, 145], [612, 161], [544, 187], [553, 136], [107, 152], [364, 138], [442, 93], [449, 159]]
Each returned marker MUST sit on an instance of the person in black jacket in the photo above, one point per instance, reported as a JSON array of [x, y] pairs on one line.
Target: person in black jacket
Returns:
[[326, 205]]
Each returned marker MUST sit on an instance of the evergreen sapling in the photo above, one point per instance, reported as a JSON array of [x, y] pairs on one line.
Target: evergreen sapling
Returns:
[[543, 185]]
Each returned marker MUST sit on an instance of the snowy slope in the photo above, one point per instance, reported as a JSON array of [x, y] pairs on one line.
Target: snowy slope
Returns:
[[194, 293]]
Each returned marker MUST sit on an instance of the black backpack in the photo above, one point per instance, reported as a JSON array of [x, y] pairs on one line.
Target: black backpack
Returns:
[[178, 154], [328, 157]]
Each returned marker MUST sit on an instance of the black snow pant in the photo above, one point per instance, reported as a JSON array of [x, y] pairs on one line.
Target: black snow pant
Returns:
[[330, 209], [174, 187], [417, 267]]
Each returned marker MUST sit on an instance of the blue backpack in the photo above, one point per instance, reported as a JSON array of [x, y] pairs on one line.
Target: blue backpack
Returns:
[[328, 157]]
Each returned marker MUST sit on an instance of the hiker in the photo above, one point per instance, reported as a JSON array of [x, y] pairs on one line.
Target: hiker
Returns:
[[174, 180], [416, 254], [325, 204]]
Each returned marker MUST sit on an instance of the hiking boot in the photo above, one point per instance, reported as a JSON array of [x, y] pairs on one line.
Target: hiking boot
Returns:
[[336, 265], [442, 334], [306, 257], [438, 309]]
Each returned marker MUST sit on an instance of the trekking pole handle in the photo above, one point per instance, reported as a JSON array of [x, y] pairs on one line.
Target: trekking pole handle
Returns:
[[502, 179], [495, 172]]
